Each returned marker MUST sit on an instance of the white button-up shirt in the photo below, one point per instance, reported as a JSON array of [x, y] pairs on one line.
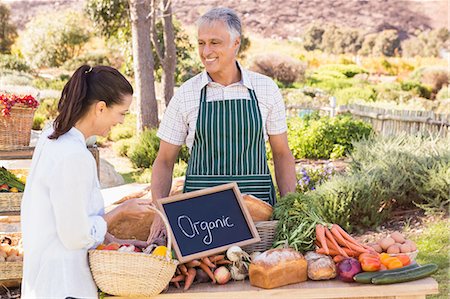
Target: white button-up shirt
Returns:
[[180, 118], [61, 219]]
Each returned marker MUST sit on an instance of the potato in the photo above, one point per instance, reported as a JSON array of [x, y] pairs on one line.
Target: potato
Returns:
[[12, 258], [412, 245], [377, 248], [386, 242], [405, 248], [398, 237], [394, 248], [2, 259], [3, 254]]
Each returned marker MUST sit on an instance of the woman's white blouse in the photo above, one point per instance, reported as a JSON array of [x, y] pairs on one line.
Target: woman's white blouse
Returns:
[[61, 217]]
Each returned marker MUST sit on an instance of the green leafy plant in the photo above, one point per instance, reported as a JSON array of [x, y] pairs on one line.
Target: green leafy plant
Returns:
[[324, 137]]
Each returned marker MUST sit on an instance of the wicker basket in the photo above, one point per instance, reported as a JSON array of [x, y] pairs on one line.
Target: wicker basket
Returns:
[[266, 231], [15, 130], [132, 274], [10, 202], [11, 270]]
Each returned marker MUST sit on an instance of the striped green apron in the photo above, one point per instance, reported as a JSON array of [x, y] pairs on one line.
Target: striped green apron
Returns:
[[229, 147]]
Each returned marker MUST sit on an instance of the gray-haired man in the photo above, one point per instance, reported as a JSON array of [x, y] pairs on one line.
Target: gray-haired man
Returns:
[[225, 115]]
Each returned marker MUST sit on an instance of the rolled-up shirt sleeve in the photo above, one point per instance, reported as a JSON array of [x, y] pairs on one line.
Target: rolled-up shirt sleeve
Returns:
[[73, 182], [276, 118], [173, 127]]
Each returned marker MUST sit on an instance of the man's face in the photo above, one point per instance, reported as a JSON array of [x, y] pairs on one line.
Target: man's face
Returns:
[[216, 49]]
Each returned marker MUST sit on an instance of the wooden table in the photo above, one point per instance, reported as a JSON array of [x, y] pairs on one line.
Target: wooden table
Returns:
[[309, 289]]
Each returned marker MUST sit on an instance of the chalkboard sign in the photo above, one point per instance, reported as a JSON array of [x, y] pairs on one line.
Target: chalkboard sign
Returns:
[[208, 221]]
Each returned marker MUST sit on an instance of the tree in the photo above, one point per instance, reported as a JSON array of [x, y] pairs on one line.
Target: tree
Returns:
[[165, 51], [52, 39], [111, 18], [7, 30], [141, 20]]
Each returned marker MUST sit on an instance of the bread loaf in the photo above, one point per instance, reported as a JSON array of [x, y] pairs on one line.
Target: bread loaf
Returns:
[[278, 267], [259, 209], [320, 266]]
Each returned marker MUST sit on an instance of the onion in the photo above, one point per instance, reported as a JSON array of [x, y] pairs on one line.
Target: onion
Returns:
[[239, 271], [348, 268], [222, 275], [234, 253]]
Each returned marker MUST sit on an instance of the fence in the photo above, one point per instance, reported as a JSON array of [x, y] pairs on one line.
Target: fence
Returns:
[[388, 121]]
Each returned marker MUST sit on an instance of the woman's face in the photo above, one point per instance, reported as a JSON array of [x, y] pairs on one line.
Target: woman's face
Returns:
[[112, 115]]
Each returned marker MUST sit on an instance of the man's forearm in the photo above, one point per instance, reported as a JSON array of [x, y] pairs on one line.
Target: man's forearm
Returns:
[[161, 180], [285, 173]]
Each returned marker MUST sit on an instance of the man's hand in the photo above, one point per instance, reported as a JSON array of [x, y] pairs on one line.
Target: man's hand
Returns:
[[135, 209]]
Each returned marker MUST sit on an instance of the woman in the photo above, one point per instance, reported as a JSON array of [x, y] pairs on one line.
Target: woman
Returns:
[[62, 208]]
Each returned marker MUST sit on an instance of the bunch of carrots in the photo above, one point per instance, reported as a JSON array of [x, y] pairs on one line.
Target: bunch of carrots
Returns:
[[338, 243], [202, 269]]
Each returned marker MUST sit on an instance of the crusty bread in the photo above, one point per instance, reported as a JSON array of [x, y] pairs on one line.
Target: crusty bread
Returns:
[[259, 209], [278, 267]]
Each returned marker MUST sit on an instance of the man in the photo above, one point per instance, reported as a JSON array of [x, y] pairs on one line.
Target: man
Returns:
[[224, 115]]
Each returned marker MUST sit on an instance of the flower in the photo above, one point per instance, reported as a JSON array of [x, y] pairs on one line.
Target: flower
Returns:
[[8, 101]]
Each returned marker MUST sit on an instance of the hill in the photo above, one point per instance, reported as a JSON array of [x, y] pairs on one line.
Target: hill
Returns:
[[288, 18]]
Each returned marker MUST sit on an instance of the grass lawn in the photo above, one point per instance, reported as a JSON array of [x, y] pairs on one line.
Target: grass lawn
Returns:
[[434, 247]]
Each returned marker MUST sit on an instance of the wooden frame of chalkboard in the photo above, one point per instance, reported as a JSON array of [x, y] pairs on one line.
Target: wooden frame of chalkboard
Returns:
[[231, 223]]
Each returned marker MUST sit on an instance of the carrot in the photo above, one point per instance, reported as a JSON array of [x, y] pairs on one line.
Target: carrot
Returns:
[[178, 278], [338, 258], [183, 269], [177, 284], [320, 236], [216, 258], [208, 271], [208, 262], [224, 262], [340, 239], [330, 237], [193, 263], [335, 252], [190, 278], [346, 236]]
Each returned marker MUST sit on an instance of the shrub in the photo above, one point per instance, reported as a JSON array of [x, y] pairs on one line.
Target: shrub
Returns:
[[434, 77], [46, 111], [11, 77], [89, 59], [285, 69], [416, 88], [12, 62], [52, 39], [351, 94], [406, 166], [54, 84], [348, 70], [353, 201], [324, 137], [38, 121], [122, 146], [144, 149], [125, 130], [443, 94]]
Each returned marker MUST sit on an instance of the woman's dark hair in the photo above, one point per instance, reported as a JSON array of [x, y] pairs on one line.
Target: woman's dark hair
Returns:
[[87, 86]]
